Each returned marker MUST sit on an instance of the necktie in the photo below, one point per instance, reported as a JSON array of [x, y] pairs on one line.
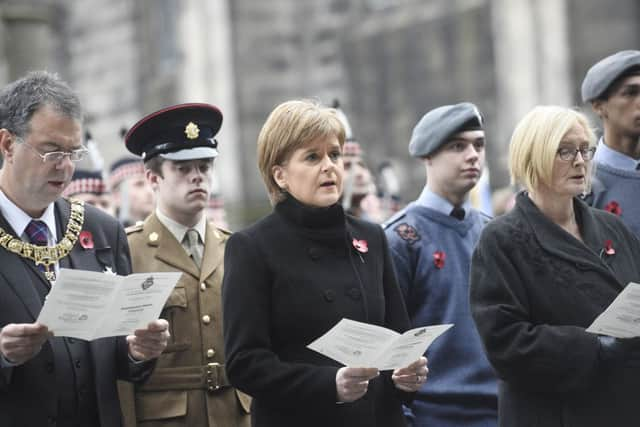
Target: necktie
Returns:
[[193, 245], [458, 213], [38, 234]]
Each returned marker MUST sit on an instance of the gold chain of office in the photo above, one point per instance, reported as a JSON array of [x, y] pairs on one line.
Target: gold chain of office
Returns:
[[48, 255]]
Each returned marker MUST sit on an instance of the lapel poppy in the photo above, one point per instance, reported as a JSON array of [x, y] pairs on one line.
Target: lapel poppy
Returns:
[[360, 245], [608, 248], [613, 207], [86, 239], [438, 259]]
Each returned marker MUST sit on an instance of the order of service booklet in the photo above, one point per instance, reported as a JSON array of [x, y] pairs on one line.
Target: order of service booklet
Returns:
[[622, 318], [89, 304], [357, 344]]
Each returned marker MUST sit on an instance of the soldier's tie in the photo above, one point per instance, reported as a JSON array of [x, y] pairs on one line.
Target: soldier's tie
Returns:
[[458, 213], [194, 246]]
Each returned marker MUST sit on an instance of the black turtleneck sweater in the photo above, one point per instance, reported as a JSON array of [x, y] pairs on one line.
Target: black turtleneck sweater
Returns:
[[288, 279]]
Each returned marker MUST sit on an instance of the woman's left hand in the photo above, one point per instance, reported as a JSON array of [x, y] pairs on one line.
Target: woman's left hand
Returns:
[[412, 377]]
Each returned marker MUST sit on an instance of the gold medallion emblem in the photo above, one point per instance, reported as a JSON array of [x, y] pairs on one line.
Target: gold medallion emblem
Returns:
[[192, 130], [47, 256]]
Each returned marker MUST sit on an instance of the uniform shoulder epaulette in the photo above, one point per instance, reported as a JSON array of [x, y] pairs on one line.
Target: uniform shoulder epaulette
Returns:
[[135, 228], [224, 231], [394, 218], [486, 217]]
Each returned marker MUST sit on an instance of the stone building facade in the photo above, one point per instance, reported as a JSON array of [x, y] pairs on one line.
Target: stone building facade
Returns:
[[387, 61]]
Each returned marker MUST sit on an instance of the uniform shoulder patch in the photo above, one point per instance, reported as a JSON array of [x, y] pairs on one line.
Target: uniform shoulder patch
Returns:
[[407, 232], [136, 228]]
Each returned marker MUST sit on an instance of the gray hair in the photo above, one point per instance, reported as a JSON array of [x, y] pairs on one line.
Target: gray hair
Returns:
[[20, 100]]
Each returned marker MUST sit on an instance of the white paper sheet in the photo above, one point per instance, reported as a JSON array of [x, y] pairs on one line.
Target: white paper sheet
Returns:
[[90, 305], [362, 345], [622, 318]]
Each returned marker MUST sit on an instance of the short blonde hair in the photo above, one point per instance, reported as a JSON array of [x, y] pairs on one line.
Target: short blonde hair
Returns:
[[535, 142], [291, 125]]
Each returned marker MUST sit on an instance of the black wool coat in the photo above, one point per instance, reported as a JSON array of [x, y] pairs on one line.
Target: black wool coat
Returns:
[[289, 279], [534, 290]]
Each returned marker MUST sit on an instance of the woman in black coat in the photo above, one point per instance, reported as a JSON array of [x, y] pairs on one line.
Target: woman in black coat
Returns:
[[294, 274], [542, 273]]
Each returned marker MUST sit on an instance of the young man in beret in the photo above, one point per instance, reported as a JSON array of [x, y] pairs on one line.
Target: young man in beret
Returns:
[[189, 386], [48, 380], [431, 243], [612, 87]]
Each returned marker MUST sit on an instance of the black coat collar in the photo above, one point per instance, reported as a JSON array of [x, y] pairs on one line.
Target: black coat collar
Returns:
[[561, 244]]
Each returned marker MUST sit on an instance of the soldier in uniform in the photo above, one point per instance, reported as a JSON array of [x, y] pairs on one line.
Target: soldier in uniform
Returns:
[[132, 196], [431, 243], [612, 87], [189, 386]]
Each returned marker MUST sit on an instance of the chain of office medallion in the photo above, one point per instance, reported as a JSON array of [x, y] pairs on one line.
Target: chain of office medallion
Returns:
[[48, 255]]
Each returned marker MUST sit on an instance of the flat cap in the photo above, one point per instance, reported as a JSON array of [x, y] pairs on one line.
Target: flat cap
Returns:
[[179, 132], [436, 127], [602, 74]]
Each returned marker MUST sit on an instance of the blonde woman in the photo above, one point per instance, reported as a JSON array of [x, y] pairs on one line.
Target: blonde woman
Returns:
[[542, 273]]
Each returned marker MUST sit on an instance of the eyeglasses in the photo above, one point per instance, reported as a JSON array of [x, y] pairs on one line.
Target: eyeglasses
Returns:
[[58, 156], [570, 154]]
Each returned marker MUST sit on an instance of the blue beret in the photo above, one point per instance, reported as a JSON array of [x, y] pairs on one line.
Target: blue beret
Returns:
[[603, 73], [179, 132], [438, 125]]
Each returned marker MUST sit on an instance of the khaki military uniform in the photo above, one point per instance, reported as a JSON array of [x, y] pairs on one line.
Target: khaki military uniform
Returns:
[[189, 386]]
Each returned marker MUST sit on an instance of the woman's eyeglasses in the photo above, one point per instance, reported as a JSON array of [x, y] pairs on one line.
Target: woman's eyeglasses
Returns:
[[570, 154]]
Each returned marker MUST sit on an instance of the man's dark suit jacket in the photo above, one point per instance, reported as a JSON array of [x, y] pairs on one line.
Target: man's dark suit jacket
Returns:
[[29, 392]]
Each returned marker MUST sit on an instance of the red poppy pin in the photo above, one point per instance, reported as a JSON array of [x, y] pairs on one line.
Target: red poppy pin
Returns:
[[86, 239], [360, 245], [438, 259], [613, 207], [608, 248]]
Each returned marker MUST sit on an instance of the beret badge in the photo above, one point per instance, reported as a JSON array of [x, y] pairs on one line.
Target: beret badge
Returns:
[[192, 130]]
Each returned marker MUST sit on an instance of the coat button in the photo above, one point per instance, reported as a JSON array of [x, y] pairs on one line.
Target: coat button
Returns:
[[49, 367], [354, 293], [206, 319], [210, 353], [77, 363], [203, 287], [314, 253], [329, 295]]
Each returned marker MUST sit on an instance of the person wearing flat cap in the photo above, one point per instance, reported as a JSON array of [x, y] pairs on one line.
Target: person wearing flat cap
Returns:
[[431, 242], [89, 186], [189, 386], [612, 87]]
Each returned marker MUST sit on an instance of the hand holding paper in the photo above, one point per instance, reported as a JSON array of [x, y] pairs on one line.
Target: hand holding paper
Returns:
[[358, 344], [622, 318]]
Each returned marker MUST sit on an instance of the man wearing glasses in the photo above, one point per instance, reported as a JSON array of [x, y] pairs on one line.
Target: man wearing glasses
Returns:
[[72, 382], [612, 87]]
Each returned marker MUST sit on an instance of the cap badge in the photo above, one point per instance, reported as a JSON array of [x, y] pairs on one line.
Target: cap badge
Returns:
[[192, 130]]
